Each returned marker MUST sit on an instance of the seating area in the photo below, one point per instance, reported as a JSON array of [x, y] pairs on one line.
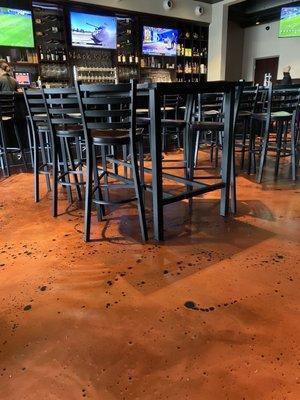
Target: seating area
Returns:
[[90, 136], [149, 200]]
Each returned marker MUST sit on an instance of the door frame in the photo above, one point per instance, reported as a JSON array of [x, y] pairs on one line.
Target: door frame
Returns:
[[264, 58]]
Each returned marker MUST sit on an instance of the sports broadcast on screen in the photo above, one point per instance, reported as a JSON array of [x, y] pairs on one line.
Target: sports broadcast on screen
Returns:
[[289, 22], [16, 28]]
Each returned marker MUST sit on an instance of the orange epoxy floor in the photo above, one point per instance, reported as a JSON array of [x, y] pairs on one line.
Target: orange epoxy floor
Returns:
[[110, 320]]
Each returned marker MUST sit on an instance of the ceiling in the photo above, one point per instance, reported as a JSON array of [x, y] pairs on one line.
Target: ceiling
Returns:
[[251, 12]]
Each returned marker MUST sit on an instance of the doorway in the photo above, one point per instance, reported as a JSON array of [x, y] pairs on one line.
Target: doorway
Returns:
[[265, 66]]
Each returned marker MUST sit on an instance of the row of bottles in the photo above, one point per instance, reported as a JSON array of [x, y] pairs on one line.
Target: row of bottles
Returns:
[[183, 51], [153, 62], [191, 68], [128, 59], [53, 54], [188, 79], [21, 56]]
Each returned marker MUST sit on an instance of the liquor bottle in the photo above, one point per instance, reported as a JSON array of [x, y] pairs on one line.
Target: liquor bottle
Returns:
[[41, 53], [64, 55]]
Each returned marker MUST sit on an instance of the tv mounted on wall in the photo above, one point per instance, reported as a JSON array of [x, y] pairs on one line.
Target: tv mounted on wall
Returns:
[[16, 28], [159, 41], [90, 30], [289, 22]]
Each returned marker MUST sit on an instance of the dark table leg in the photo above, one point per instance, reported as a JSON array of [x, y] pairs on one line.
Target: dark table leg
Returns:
[[227, 152], [156, 149]]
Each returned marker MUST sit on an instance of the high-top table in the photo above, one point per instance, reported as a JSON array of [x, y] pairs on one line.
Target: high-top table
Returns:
[[156, 91]]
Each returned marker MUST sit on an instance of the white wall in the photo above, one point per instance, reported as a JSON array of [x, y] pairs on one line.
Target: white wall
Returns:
[[217, 42], [259, 43], [217, 45], [183, 8]]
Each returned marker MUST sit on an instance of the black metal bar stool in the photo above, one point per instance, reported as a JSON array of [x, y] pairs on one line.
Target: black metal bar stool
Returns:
[[109, 119], [8, 119], [277, 114], [197, 127], [248, 106], [38, 137], [66, 132]]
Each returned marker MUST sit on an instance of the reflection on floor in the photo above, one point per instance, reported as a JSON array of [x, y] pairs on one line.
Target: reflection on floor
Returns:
[[213, 313]]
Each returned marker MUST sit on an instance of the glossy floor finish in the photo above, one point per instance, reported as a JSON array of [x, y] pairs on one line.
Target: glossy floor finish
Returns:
[[212, 314]]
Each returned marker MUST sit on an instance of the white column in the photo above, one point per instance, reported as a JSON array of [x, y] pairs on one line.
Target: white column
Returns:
[[217, 44]]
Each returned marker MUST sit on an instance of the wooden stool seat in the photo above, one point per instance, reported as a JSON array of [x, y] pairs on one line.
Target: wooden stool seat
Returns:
[[208, 126], [112, 137]]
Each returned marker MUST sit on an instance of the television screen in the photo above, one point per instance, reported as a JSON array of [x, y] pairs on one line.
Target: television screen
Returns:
[[159, 41], [16, 28], [97, 31], [23, 78], [289, 22]]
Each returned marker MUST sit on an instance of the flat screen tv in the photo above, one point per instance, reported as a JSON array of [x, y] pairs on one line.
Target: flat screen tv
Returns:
[[289, 22], [159, 41], [16, 28], [90, 30]]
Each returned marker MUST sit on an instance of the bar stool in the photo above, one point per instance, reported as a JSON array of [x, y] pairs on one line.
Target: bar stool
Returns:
[[278, 108], [197, 127], [109, 119], [8, 118], [209, 109], [248, 106], [65, 126], [295, 135], [38, 137]]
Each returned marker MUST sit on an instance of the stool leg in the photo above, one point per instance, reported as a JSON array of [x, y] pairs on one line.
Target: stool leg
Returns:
[[44, 160], [20, 145], [114, 166], [142, 169], [196, 148], [293, 152], [104, 167], [4, 150], [55, 176], [36, 169], [138, 191], [72, 163], [233, 181], [244, 137], [191, 162], [97, 189], [30, 133], [79, 159], [66, 177], [280, 130], [250, 149], [264, 150], [88, 193], [124, 149]]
